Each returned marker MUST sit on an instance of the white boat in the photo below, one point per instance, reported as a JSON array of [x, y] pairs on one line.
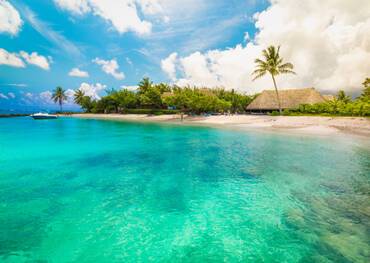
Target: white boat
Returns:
[[43, 116]]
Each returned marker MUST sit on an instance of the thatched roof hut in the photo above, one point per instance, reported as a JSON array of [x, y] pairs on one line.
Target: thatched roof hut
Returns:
[[290, 99], [329, 97]]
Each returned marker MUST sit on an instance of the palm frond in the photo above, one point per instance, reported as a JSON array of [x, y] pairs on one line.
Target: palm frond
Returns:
[[286, 66], [258, 74], [287, 71]]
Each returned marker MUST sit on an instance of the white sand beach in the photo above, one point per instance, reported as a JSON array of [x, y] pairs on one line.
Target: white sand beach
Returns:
[[325, 126]]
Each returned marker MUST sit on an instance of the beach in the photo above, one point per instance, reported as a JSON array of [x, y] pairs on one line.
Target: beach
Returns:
[[311, 125]]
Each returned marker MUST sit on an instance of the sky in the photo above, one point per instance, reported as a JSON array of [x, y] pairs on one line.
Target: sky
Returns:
[[94, 45]]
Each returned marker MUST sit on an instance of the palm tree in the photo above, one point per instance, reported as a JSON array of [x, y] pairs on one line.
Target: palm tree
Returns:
[[144, 85], [342, 96], [59, 96], [274, 65], [78, 96]]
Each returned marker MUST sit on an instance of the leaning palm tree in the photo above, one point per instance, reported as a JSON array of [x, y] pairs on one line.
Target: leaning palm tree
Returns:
[[272, 64], [59, 96], [78, 96]]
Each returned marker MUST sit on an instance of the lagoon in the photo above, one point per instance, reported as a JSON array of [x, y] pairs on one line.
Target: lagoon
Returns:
[[84, 190]]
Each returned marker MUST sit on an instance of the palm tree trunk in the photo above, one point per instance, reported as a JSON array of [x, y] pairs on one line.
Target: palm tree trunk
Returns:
[[61, 107], [277, 94]]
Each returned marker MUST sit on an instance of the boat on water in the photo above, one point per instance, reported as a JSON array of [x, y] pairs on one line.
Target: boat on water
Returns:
[[43, 116]]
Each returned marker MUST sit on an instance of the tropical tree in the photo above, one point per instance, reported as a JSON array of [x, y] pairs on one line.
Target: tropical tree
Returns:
[[78, 96], [144, 85], [274, 65], [366, 92], [342, 96], [59, 96]]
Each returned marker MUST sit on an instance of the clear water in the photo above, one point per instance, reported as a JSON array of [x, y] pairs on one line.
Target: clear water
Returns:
[[76, 190]]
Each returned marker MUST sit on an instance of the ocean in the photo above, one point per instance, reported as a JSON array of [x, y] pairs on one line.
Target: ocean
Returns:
[[76, 190]]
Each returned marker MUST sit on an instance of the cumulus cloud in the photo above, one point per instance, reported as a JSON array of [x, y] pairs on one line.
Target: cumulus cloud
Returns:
[[76, 72], [10, 59], [327, 41], [78, 7], [110, 67], [168, 65], [46, 96], [150, 7], [35, 59], [10, 20], [121, 14], [92, 90], [70, 95]]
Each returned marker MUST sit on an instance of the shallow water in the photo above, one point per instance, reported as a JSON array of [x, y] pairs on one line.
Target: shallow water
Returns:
[[74, 190]]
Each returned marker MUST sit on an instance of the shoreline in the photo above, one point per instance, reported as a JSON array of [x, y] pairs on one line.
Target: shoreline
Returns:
[[304, 125]]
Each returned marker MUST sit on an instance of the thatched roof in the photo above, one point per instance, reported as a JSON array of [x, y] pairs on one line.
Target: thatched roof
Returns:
[[329, 97], [290, 99]]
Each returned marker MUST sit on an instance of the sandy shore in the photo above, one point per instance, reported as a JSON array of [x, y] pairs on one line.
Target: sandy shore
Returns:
[[325, 126]]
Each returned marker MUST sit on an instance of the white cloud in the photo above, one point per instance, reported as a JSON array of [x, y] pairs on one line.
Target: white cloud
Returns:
[[46, 96], [77, 7], [70, 95], [35, 59], [92, 90], [10, 20], [76, 72], [15, 60], [121, 14], [110, 67], [29, 95], [169, 65], [10, 59], [11, 95], [150, 7], [130, 88], [3, 96], [327, 41]]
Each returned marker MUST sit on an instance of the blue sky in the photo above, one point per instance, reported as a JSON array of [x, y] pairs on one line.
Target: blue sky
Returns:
[[69, 40]]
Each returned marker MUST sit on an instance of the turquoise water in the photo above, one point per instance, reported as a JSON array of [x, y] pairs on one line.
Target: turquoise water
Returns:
[[76, 190]]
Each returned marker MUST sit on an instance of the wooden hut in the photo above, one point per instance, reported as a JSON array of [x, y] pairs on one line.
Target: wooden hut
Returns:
[[290, 99]]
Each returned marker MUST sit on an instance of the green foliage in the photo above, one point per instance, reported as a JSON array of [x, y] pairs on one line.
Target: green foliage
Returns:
[[151, 98], [197, 100], [365, 96], [87, 104], [337, 107], [78, 96], [150, 111], [343, 97], [274, 113], [156, 98]]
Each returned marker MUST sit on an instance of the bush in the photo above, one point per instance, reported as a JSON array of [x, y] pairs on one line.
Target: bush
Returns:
[[274, 113], [287, 112], [150, 111]]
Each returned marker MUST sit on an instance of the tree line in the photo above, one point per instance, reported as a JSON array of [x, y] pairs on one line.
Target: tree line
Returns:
[[166, 99]]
